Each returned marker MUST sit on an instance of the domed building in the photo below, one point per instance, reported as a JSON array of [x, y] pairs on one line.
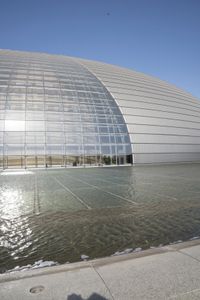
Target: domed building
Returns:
[[61, 111]]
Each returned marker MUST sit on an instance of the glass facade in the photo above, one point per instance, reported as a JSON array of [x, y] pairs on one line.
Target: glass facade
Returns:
[[54, 112]]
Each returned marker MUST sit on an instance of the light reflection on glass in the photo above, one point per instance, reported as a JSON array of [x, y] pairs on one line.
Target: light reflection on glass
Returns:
[[14, 125]]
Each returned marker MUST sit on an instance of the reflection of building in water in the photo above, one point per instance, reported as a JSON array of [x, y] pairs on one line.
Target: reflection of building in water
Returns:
[[60, 111]]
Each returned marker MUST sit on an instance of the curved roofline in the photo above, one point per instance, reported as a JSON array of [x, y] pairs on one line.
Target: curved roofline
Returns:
[[109, 64]]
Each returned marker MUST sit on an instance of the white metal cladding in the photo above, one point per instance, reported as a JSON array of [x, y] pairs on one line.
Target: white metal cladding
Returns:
[[163, 121]]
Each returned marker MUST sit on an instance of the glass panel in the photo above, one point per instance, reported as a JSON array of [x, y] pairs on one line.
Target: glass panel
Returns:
[[56, 110], [34, 115], [14, 137], [35, 126], [54, 138], [35, 149], [52, 126], [35, 137], [14, 115], [54, 149], [14, 125], [14, 149]]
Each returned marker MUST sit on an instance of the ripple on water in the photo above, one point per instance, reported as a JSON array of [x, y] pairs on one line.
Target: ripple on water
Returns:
[[64, 237]]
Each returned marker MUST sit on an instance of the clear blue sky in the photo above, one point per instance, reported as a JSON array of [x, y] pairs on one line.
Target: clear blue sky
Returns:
[[158, 37]]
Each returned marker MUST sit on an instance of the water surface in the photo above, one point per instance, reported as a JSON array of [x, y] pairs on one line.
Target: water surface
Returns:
[[60, 214]]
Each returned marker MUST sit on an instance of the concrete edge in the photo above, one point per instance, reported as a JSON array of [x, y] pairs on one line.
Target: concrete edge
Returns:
[[95, 263]]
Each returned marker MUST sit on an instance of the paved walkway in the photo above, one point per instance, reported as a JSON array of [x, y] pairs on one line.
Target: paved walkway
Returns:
[[170, 272]]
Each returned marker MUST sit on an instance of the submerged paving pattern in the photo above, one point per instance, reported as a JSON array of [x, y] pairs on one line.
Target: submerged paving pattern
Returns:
[[60, 214]]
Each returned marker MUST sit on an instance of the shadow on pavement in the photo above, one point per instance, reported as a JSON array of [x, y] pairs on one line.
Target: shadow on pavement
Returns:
[[94, 296]]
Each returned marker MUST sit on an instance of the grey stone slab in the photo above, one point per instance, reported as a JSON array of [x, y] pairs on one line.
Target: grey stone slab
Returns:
[[59, 286], [192, 251], [193, 295], [152, 277]]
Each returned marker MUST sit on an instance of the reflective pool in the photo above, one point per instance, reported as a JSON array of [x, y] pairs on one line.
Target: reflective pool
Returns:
[[60, 214]]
